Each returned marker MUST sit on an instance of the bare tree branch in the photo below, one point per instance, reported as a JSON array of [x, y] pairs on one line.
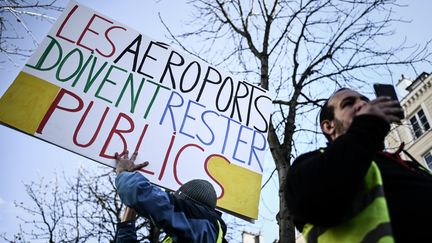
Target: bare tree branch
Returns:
[[301, 51]]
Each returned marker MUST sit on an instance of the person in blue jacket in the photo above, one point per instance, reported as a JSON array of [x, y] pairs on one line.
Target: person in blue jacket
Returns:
[[187, 215]]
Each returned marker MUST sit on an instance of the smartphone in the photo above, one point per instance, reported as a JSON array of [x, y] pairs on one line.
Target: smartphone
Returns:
[[387, 90]]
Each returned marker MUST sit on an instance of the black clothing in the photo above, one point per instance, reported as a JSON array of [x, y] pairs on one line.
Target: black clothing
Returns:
[[322, 185]]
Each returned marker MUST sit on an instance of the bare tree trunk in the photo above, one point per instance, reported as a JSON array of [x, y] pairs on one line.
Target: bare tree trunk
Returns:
[[281, 157]]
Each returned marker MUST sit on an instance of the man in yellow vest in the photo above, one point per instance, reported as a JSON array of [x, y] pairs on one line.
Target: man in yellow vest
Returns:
[[187, 215], [352, 191]]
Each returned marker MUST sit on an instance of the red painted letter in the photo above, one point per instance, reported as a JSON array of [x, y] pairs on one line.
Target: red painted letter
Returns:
[[119, 132], [78, 128], [64, 23], [55, 105]]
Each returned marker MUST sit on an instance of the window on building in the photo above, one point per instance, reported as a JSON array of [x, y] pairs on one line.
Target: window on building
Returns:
[[428, 159], [419, 123]]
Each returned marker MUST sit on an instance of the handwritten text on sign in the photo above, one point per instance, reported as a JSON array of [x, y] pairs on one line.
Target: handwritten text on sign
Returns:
[[96, 87]]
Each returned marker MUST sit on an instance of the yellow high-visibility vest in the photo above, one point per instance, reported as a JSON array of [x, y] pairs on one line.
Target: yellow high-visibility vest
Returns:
[[370, 221]]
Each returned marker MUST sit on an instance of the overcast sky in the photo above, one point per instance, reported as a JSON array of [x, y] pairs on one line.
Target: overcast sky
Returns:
[[24, 158]]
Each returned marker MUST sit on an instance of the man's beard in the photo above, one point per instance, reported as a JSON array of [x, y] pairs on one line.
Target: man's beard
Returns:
[[340, 127]]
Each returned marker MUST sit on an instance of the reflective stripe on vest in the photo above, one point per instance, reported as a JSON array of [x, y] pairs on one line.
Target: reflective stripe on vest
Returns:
[[370, 221], [167, 240], [218, 240]]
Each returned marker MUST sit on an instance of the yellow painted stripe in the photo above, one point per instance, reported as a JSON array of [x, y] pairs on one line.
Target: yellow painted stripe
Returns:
[[26, 101]]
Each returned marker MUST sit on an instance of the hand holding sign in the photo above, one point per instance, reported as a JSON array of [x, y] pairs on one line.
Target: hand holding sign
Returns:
[[126, 164], [95, 86]]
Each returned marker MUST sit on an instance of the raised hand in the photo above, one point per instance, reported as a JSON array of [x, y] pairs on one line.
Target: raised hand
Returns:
[[123, 163], [384, 107]]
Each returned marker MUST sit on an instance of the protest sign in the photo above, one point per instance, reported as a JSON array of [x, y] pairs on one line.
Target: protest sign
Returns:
[[95, 87]]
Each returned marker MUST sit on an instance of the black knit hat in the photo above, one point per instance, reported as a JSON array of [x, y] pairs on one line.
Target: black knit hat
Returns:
[[200, 191]]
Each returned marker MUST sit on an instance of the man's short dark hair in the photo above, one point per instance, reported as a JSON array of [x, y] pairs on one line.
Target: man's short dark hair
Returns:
[[327, 112]]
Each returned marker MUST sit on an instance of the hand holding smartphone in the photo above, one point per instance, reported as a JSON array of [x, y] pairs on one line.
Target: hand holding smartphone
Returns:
[[389, 91]]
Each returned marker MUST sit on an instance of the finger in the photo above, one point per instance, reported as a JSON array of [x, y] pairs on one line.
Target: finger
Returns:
[[117, 157], [389, 104], [140, 166], [387, 101], [126, 155], [380, 99], [134, 155], [392, 118], [398, 112], [392, 110]]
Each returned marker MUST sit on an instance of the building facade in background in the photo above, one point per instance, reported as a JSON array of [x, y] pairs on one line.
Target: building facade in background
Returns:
[[415, 130], [248, 237]]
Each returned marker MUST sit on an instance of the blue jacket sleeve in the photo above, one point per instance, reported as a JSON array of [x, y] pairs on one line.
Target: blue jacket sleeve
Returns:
[[150, 201], [126, 232]]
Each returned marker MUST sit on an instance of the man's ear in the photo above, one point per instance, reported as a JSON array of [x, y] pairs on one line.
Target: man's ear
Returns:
[[328, 127]]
